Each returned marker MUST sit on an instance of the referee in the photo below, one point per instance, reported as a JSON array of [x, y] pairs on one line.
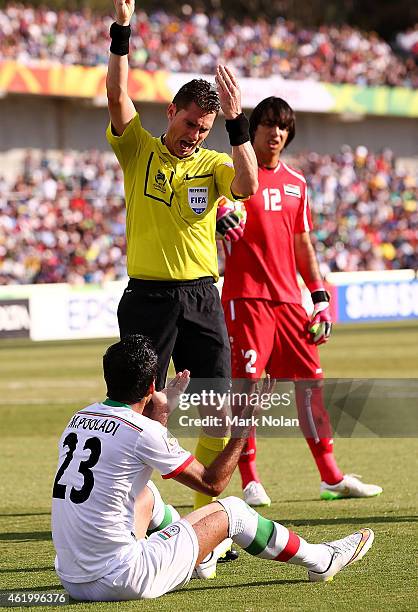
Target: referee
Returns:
[[171, 188]]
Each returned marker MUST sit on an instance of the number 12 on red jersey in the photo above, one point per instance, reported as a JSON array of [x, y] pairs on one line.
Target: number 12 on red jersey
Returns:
[[272, 198]]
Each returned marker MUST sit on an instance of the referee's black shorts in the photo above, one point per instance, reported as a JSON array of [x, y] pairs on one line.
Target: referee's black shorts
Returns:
[[183, 319]]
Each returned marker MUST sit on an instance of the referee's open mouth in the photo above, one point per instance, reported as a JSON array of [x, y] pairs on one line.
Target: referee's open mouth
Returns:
[[187, 147]]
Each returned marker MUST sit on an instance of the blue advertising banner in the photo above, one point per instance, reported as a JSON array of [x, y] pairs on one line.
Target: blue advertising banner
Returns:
[[377, 301]]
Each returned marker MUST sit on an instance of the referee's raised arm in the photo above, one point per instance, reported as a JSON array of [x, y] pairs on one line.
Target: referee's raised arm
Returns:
[[245, 182], [121, 107]]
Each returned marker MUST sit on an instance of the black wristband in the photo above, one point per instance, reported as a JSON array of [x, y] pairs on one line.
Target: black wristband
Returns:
[[319, 296], [120, 38], [238, 130]]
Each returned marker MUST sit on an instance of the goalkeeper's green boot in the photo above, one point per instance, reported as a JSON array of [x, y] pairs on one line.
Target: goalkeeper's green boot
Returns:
[[350, 486]]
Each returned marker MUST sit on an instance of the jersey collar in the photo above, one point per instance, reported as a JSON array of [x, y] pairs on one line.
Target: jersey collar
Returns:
[[272, 170], [109, 402]]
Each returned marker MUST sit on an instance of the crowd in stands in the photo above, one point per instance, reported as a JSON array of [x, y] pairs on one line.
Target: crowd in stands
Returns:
[[196, 42], [408, 41], [62, 219], [365, 210]]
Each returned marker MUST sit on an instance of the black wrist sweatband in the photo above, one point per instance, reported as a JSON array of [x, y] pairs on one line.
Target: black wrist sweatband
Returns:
[[319, 296], [238, 130], [120, 38]]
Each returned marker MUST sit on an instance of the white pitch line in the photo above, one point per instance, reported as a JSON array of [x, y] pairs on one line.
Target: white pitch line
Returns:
[[41, 401], [45, 382]]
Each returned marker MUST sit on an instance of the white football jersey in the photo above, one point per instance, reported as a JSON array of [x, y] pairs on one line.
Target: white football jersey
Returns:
[[106, 456]]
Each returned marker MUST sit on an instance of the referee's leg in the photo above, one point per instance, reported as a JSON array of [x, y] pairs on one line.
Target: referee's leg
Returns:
[[202, 346], [148, 309]]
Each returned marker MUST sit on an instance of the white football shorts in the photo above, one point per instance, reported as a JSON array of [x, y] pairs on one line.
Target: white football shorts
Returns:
[[159, 564]]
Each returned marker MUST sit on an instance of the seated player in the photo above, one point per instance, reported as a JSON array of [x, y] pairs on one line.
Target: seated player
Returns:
[[102, 493]]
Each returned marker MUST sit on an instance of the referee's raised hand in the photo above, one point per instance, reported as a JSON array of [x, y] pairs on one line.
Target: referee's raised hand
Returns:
[[229, 92], [124, 10]]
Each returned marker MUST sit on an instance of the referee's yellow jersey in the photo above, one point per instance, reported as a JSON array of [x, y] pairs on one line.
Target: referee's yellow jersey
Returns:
[[170, 205]]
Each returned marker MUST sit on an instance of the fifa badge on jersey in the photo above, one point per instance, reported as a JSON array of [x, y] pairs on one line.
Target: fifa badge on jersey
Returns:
[[169, 532], [292, 190], [198, 199]]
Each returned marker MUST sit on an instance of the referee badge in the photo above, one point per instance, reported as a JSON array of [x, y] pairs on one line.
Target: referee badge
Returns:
[[198, 199]]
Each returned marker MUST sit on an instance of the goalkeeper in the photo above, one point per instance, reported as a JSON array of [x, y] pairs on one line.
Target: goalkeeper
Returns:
[[267, 325], [172, 184]]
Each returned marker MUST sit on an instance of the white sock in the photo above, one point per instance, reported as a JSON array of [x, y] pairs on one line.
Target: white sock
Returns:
[[267, 539], [315, 557]]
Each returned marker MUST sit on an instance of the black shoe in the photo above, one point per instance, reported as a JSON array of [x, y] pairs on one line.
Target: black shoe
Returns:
[[230, 555]]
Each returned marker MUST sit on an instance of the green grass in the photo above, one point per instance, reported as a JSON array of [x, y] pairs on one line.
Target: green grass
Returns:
[[41, 385]]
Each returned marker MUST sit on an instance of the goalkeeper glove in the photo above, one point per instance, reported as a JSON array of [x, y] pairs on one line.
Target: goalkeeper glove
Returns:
[[321, 323], [230, 220]]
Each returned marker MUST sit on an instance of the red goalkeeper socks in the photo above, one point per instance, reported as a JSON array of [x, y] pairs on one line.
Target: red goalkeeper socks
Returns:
[[315, 424], [247, 464], [322, 452]]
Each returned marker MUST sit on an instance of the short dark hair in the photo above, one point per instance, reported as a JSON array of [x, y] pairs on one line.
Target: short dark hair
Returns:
[[277, 110], [199, 91], [129, 368]]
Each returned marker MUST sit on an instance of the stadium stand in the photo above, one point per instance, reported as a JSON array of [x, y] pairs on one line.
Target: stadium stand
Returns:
[[408, 41], [196, 42], [62, 216]]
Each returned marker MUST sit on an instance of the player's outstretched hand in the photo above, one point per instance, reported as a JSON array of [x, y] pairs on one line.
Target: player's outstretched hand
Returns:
[[124, 10], [320, 325], [263, 392], [176, 388], [257, 394], [229, 92], [164, 402]]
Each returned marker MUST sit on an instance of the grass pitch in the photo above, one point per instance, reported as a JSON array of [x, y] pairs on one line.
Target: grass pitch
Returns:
[[41, 385]]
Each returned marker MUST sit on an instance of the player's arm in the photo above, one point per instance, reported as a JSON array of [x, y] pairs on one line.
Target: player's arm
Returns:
[[212, 480], [163, 452], [158, 449], [307, 265], [245, 182], [306, 261], [121, 107]]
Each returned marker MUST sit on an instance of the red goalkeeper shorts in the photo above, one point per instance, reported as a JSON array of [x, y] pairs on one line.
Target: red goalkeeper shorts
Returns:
[[270, 336]]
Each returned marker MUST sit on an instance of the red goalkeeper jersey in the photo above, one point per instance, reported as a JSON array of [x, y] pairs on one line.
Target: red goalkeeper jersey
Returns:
[[262, 263]]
